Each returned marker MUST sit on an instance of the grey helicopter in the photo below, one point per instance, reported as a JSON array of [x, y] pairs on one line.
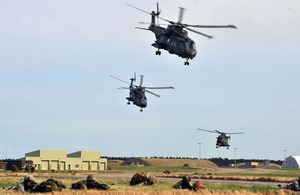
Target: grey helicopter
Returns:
[[174, 38], [222, 139], [137, 92]]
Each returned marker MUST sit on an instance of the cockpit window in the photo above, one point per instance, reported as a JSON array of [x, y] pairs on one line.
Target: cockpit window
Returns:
[[187, 45], [193, 45]]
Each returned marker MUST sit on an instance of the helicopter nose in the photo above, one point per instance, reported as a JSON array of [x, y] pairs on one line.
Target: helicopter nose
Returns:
[[193, 54]]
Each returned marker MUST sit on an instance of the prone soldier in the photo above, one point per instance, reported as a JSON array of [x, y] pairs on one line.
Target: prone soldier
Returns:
[[294, 186], [90, 183], [28, 184]]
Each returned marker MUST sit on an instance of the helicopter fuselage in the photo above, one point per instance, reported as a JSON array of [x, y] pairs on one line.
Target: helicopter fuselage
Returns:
[[137, 97], [222, 141], [175, 40]]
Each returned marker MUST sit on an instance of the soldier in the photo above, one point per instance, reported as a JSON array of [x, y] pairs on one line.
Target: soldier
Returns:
[[185, 183], [90, 183], [50, 185], [28, 185], [296, 185], [198, 186], [143, 178]]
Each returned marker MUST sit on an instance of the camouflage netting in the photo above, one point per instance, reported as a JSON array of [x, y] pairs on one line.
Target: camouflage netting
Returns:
[[143, 178]]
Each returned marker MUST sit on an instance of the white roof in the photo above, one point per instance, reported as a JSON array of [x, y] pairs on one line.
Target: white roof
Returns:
[[297, 158]]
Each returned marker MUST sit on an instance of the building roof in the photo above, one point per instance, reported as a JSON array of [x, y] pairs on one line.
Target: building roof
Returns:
[[297, 158]]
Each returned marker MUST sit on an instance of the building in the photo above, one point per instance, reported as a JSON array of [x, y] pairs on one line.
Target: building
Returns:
[[291, 162], [60, 160]]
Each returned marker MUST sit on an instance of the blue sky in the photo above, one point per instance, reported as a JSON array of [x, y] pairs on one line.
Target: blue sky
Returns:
[[55, 58]]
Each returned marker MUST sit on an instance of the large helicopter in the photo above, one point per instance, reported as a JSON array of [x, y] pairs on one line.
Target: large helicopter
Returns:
[[222, 139], [137, 92], [174, 38]]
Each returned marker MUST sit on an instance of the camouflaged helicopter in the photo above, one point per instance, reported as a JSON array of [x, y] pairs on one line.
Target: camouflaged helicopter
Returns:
[[222, 139], [137, 92], [174, 38]]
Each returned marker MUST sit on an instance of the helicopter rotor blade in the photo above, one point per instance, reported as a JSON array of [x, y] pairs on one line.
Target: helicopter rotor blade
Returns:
[[152, 93], [194, 31], [141, 81], [236, 133], [119, 79], [123, 88], [159, 87], [151, 24], [157, 13], [142, 28], [220, 132], [207, 130], [139, 9], [210, 26], [181, 12]]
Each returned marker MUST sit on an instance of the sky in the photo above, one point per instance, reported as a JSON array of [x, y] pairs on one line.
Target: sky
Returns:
[[55, 90]]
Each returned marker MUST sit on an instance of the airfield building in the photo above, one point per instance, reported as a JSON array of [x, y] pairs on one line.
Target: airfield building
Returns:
[[60, 160], [291, 162]]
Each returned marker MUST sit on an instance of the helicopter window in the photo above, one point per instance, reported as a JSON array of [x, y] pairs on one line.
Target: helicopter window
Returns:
[[182, 45], [163, 39], [193, 45], [187, 46]]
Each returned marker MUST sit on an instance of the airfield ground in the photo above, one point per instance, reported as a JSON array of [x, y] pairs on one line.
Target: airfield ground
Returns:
[[111, 177]]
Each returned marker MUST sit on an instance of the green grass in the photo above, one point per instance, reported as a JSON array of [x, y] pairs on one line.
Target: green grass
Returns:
[[124, 185], [288, 173], [131, 168], [232, 187]]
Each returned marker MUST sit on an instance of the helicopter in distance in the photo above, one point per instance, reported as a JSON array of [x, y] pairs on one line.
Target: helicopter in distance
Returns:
[[222, 139], [174, 38], [137, 92]]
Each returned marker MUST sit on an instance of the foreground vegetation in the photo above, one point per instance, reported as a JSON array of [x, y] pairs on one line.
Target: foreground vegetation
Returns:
[[164, 188], [122, 187]]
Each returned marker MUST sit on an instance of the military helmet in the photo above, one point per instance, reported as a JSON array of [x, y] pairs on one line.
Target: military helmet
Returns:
[[28, 177], [186, 178], [91, 178]]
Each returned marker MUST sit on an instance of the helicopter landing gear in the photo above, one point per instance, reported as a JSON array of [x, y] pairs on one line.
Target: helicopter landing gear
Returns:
[[186, 63], [128, 103], [157, 52], [227, 147], [141, 110]]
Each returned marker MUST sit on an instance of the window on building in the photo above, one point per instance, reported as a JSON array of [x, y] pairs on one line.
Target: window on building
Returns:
[[76, 166]]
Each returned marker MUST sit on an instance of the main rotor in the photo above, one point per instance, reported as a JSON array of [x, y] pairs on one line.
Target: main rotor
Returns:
[[219, 132], [140, 87], [180, 19]]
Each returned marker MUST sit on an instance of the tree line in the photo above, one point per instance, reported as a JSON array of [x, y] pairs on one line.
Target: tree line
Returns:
[[221, 162]]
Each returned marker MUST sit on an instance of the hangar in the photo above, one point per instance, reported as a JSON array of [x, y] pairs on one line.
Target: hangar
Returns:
[[60, 160], [291, 162]]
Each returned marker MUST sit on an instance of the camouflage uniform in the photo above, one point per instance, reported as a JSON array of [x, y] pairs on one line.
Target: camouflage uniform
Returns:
[[90, 183], [185, 183], [49, 186], [28, 185], [142, 178], [198, 186], [296, 185]]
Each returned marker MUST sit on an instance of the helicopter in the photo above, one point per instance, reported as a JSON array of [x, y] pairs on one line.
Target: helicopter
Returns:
[[137, 92], [222, 139], [174, 38]]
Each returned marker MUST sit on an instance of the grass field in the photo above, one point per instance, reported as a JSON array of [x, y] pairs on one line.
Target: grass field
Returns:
[[122, 187], [164, 188]]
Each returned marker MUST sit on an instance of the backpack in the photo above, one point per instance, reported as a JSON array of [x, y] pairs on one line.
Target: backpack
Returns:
[[50, 185]]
